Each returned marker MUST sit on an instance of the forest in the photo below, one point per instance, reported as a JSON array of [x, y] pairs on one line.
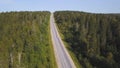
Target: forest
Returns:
[[94, 38], [25, 40]]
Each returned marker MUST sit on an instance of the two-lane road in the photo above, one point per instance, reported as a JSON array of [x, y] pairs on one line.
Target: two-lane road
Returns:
[[63, 59]]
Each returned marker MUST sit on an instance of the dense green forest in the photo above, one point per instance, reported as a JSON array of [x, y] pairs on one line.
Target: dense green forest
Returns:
[[25, 40], [93, 38]]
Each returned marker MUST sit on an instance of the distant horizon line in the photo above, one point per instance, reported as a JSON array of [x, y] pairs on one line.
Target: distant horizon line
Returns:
[[58, 10]]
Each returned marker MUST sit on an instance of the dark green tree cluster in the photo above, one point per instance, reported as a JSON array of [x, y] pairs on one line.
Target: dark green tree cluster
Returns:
[[93, 38], [25, 40]]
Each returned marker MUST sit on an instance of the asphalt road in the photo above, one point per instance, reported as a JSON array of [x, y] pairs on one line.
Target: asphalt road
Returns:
[[63, 59]]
